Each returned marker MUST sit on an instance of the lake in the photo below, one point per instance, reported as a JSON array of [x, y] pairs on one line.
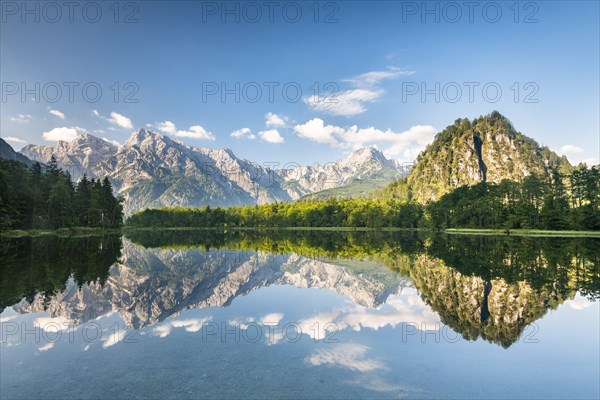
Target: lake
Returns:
[[307, 314]]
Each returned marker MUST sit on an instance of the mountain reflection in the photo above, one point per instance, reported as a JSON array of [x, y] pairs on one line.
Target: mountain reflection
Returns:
[[491, 287]]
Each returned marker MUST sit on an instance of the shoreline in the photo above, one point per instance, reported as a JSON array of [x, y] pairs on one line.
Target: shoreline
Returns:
[[82, 231]]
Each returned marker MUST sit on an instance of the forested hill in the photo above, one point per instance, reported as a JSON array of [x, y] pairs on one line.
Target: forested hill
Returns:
[[486, 149], [8, 153]]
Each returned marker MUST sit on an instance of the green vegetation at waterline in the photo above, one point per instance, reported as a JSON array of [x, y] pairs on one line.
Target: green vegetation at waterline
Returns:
[[309, 213], [568, 202], [558, 203], [34, 199]]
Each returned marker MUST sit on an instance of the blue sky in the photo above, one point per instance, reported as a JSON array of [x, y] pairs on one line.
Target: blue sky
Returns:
[[375, 57]]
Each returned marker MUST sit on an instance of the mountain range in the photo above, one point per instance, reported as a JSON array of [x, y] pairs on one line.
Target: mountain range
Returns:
[[152, 170]]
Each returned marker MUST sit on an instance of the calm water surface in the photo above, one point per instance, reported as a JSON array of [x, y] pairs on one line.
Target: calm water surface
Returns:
[[299, 315]]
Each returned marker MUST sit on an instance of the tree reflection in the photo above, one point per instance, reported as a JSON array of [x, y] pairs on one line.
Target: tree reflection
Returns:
[[43, 265]]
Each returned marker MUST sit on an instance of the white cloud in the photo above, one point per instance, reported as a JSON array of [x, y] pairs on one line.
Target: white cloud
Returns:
[[22, 118], [116, 119], [12, 139], [590, 162], [271, 319], [317, 131], [407, 308], [196, 132], [274, 120], [57, 113], [193, 132], [120, 120], [56, 324], [406, 145], [271, 136], [63, 133], [111, 141], [578, 304], [349, 102], [190, 325], [241, 133], [114, 338], [46, 347], [570, 149], [167, 127]]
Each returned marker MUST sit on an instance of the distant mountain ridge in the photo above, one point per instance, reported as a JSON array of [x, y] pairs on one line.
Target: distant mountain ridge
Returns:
[[152, 170], [77, 156]]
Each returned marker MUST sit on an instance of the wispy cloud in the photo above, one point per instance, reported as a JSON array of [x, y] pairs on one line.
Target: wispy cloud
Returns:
[[22, 118], [373, 78], [353, 101], [346, 103], [12, 139]]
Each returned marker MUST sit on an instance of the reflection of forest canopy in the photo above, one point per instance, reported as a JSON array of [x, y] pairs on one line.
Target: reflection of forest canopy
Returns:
[[44, 264], [491, 287]]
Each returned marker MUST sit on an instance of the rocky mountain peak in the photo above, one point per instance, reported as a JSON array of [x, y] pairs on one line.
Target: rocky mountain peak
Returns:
[[487, 149], [367, 154], [78, 155], [141, 135]]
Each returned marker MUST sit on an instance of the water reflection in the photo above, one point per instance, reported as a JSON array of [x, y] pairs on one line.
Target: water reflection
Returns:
[[188, 314], [480, 286]]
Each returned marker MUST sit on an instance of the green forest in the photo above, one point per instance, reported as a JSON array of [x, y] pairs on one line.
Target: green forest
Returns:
[[558, 203], [335, 212], [33, 198]]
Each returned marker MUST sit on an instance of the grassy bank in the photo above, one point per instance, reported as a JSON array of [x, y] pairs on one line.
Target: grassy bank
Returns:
[[522, 232], [276, 228]]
